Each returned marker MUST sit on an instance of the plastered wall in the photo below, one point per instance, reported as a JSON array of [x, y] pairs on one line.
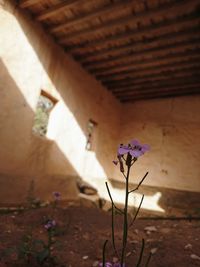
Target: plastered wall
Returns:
[[172, 128], [31, 61]]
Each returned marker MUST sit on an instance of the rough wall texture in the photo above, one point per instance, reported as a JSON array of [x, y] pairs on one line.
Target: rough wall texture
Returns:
[[30, 61], [172, 128]]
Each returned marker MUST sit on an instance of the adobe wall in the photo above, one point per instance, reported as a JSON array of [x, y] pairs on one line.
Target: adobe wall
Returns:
[[31, 61], [172, 128]]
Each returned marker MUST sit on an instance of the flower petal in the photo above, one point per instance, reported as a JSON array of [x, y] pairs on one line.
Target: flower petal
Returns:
[[136, 153], [135, 143], [145, 148], [123, 150]]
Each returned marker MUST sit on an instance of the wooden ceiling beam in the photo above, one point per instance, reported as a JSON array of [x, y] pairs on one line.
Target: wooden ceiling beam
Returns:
[[179, 22], [146, 57], [152, 69], [152, 64], [161, 10], [114, 85], [155, 85], [28, 3], [165, 70], [149, 63], [157, 77], [145, 72], [92, 15], [167, 93], [152, 89], [167, 50], [56, 9], [154, 42], [161, 92]]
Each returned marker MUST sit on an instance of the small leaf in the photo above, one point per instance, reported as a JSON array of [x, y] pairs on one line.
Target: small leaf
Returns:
[[42, 256]]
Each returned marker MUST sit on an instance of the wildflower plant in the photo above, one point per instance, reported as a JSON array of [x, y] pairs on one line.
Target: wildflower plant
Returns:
[[127, 155], [31, 250], [45, 253], [57, 198], [37, 252]]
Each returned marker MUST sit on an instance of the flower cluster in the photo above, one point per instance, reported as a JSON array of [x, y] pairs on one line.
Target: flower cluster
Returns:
[[57, 195], [133, 151], [134, 148], [50, 224]]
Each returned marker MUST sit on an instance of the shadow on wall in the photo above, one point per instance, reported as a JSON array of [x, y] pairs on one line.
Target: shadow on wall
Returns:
[[70, 80], [24, 156], [28, 160], [48, 158]]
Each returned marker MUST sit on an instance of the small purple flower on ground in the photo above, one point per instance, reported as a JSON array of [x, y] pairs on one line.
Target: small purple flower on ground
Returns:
[[109, 264], [50, 224], [57, 195], [134, 148]]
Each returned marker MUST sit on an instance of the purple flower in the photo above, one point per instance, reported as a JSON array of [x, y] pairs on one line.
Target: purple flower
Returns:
[[109, 264], [57, 195], [50, 224], [134, 148]]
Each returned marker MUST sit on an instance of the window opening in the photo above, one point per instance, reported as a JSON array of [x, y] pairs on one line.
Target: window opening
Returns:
[[44, 106], [90, 135]]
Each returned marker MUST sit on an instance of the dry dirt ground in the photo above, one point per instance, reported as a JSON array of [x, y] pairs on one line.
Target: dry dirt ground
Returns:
[[81, 232]]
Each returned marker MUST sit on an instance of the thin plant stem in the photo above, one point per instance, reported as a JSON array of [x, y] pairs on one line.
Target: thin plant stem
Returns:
[[138, 209], [148, 260], [113, 230], [125, 225], [141, 254], [104, 253], [112, 199], [124, 175], [137, 187], [49, 241]]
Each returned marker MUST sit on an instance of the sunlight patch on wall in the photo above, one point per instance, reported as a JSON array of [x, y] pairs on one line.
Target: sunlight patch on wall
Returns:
[[18, 64], [64, 129], [150, 202], [118, 195]]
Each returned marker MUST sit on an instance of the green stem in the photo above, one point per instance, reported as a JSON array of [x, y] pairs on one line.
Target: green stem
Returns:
[[112, 199], [148, 260], [113, 230], [104, 253], [137, 211], [125, 223], [141, 254], [49, 242]]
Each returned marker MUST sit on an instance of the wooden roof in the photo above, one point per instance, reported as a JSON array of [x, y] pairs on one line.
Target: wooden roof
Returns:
[[138, 49]]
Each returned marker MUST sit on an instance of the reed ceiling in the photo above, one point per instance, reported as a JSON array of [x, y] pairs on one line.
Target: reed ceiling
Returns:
[[138, 49]]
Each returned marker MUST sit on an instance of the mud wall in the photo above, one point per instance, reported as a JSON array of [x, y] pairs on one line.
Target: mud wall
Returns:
[[31, 61], [172, 128]]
